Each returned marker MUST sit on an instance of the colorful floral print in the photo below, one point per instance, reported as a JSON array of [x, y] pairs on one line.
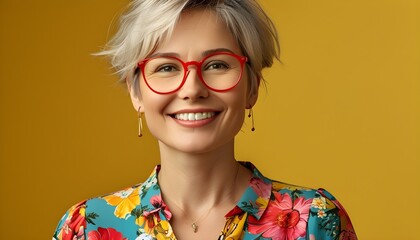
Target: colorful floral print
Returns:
[[266, 210], [234, 227], [284, 218], [124, 201], [75, 224], [152, 223], [105, 234]]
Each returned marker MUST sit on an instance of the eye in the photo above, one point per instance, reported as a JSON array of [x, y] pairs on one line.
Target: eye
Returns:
[[166, 68], [216, 65]]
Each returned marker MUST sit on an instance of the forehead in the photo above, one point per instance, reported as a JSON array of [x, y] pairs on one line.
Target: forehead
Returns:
[[197, 31]]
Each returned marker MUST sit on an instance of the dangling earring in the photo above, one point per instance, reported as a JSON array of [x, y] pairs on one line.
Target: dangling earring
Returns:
[[251, 115], [140, 123]]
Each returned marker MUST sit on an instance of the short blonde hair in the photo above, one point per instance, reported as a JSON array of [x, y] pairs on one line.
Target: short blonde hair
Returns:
[[146, 23]]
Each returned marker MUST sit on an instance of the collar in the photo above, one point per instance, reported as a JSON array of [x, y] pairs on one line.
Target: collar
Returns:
[[254, 200]]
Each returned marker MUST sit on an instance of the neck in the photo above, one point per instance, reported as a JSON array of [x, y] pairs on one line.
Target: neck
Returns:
[[198, 181]]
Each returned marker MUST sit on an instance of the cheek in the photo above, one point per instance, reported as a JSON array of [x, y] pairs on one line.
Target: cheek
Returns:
[[153, 114], [240, 94], [237, 105], [153, 104], [150, 100]]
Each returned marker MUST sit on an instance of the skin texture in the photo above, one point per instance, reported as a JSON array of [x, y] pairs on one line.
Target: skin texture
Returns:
[[189, 41], [198, 165]]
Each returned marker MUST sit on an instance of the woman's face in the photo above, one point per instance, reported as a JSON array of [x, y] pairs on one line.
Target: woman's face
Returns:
[[197, 32]]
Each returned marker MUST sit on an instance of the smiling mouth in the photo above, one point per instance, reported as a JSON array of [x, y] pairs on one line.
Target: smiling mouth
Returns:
[[194, 116]]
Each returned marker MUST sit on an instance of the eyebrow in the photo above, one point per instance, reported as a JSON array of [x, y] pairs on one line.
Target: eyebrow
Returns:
[[211, 51], [203, 54]]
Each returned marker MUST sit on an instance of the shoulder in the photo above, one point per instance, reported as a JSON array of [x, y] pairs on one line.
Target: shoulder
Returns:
[[318, 209], [93, 215], [316, 199], [307, 201], [296, 191], [117, 215], [73, 224]]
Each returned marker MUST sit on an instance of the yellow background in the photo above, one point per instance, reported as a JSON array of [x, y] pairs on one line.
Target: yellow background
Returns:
[[342, 112]]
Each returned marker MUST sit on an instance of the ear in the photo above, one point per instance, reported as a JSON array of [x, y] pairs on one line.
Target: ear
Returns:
[[253, 94], [134, 90]]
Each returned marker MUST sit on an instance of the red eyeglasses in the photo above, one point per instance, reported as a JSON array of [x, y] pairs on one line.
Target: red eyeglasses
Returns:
[[220, 72]]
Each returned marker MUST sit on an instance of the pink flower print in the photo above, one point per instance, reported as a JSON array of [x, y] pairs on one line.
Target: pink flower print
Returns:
[[159, 205], [149, 219], [283, 219], [261, 188]]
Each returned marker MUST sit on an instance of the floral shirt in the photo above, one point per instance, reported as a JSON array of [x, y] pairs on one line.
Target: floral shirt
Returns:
[[267, 210]]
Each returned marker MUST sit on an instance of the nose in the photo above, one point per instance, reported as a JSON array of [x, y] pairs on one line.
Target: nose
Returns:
[[193, 88]]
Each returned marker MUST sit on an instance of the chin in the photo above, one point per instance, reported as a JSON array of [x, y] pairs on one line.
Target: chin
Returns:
[[200, 145], [194, 147]]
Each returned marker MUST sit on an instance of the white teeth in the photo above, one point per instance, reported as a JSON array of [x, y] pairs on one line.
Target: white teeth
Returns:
[[194, 116]]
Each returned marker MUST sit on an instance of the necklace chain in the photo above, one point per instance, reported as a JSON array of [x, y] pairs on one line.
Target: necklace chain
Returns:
[[194, 224]]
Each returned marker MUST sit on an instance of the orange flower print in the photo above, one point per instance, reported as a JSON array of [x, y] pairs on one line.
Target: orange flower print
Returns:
[[147, 223], [124, 201], [284, 219]]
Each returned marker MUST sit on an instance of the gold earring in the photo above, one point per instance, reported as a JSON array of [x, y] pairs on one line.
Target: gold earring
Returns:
[[140, 123], [251, 115]]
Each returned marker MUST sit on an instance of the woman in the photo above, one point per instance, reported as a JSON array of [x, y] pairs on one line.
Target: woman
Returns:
[[193, 68]]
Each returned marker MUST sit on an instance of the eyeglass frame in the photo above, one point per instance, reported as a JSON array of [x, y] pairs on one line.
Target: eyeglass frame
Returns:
[[198, 64]]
